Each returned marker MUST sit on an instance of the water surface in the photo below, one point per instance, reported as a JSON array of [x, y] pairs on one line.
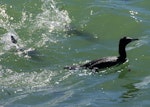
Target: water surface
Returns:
[[56, 33]]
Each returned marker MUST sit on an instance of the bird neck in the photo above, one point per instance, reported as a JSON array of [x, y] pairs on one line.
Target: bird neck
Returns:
[[122, 52]]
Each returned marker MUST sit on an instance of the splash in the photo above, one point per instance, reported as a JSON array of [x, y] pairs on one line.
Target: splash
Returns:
[[51, 18], [9, 27], [6, 20], [6, 40], [25, 81], [46, 22], [49, 23], [45, 25]]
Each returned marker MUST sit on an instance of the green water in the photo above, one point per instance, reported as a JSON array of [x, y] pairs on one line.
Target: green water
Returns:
[[56, 33]]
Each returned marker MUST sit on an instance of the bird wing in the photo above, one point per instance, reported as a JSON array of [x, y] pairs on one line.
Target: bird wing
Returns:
[[102, 63]]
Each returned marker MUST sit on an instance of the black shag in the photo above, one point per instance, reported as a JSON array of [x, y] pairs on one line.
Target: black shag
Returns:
[[13, 40], [107, 61]]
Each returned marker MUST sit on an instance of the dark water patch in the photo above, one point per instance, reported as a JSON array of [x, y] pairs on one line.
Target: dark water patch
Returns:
[[85, 35], [131, 93]]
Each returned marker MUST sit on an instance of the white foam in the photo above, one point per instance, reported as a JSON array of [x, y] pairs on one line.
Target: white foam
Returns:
[[51, 18]]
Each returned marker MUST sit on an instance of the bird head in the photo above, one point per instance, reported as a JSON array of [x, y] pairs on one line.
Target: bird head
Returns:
[[126, 40]]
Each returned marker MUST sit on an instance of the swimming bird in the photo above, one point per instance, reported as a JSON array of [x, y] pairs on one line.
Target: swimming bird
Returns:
[[106, 62], [21, 50], [13, 40]]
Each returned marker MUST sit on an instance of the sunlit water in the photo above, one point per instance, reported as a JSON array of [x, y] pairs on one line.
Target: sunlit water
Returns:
[[52, 34]]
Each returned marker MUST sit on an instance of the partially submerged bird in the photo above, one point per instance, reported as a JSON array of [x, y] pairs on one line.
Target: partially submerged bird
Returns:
[[13, 40], [21, 50], [107, 61]]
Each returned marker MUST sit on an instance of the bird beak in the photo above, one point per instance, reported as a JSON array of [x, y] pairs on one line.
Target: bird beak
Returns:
[[134, 39]]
